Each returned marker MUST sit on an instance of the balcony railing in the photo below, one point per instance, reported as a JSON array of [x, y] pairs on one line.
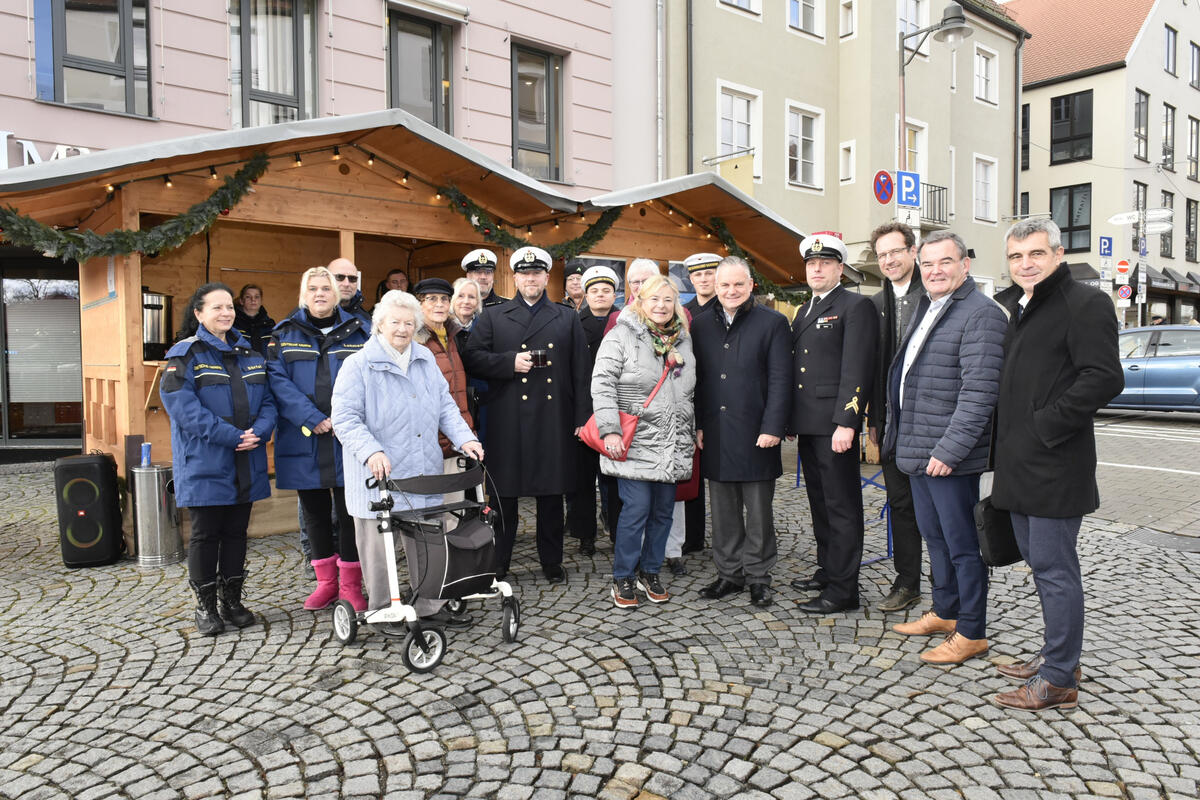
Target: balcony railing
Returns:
[[935, 204]]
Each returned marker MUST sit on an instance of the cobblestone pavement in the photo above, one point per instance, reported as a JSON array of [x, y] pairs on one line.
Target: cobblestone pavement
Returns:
[[107, 691]]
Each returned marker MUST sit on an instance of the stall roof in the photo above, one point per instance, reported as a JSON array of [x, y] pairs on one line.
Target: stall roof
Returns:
[[1153, 275], [1194, 278], [391, 134], [704, 195], [1082, 271]]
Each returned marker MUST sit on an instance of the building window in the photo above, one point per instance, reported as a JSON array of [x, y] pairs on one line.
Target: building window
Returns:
[[1195, 79], [1139, 205], [1189, 232], [1166, 239], [1024, 210], [985, 188], [1071, 210], [1168, 137], [739, 129], [537, 113], [914, 146], [1170, 40], [804, 147], [985, 74], [1141, 125], [1071, 127], [274, 61], [419, 68], [1193, 148], [912, 17], [805, 15], [846, 18], [94, 54], [745, 5], [846, 162]]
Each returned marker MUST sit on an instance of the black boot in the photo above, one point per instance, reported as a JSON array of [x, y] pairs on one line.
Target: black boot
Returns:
[[207, 620], [232, 610]]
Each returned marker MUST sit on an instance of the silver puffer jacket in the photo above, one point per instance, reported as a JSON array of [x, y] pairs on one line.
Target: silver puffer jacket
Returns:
[[625, 373]]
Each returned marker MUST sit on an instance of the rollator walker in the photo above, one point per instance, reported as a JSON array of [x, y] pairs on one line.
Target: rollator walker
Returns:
[[454, 545]]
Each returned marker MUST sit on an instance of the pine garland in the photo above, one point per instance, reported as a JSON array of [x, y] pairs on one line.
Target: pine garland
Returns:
[[765, 285], [495, 233], [81, 245]]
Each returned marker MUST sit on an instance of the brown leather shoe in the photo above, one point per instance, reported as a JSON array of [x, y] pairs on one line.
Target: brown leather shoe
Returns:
[[1027, 669], [927, 623], [1037, 695], [955, 650]]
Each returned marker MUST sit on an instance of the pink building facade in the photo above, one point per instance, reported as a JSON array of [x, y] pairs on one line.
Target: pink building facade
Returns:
[[528, 83]]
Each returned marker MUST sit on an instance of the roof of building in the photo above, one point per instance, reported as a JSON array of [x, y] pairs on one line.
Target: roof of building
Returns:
[[1077, 38], [991, 10]]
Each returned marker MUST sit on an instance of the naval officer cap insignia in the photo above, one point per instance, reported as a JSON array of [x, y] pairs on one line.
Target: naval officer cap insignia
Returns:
[[530, 258], [823, 245], [599, 274], [698, 261], [479, 259]]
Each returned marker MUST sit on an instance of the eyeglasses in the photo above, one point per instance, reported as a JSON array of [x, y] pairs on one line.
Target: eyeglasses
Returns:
[[895, 252], [347, 278], [435, 299]]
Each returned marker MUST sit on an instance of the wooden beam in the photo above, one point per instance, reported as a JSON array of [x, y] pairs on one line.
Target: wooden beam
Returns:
[[346, 244]]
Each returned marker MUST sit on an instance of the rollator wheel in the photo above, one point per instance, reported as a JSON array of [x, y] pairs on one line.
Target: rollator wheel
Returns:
[[456, 607], [419, 660], [510, 619], [345, 622]]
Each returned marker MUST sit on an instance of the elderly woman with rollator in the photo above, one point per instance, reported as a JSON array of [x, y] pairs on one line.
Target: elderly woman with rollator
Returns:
[[389, 403], [304, 356], [645, 367]]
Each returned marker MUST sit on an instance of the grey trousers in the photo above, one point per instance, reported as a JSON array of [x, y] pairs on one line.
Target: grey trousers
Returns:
[[373, 558], [1048, 547], [744, 549]]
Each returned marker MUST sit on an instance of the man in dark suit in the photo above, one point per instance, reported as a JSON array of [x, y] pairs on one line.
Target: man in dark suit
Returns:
[[702, 272], [480, 266], [834, 337], [895, 248], [534, 356], [743, 371], [1062, 365]]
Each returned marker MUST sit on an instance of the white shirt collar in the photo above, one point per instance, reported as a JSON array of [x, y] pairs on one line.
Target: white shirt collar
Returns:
[[899, 290]]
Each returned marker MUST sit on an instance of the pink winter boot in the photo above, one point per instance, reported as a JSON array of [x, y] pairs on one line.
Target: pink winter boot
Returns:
[[327, 583], [350, 584]]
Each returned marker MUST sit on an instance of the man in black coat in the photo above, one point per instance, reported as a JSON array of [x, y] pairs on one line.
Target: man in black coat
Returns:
[[895, 247], [743, 371], [480, 266], [834, 337], [1061, 366], [535, 412], [347, 277], [702, 272]]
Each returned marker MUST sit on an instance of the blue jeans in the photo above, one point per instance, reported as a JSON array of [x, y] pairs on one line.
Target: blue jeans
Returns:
[[643, 527], [945, 514]]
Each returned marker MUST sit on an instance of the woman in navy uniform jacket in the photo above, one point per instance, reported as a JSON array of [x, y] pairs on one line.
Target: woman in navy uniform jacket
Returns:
[[215, 391], [303, 358]]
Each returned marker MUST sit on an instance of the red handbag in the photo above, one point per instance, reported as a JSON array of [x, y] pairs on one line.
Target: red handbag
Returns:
[[590, 434]]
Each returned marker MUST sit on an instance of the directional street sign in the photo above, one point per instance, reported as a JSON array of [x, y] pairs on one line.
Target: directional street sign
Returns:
[[1160, 214], [909, 193], [883, 187], [1124, 218], [1105, 246]]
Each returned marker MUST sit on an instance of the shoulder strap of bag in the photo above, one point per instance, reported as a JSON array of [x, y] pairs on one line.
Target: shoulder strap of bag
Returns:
[[657, 386]]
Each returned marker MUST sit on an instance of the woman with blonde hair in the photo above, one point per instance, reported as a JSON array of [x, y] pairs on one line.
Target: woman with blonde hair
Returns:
[[645, 367], [306, 351]]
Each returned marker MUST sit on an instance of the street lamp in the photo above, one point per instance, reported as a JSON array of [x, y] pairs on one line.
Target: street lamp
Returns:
[[952, 29]]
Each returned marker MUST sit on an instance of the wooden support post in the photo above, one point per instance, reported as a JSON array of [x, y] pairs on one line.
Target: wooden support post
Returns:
[[346, 244]]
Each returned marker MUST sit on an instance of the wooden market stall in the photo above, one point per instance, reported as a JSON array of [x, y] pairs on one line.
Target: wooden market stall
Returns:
[[382, 189]]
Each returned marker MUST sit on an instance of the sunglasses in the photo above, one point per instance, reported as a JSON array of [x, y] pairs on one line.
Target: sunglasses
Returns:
[[349, 278]]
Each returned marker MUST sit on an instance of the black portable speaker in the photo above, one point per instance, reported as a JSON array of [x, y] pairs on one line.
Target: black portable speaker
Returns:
[[89, 510]]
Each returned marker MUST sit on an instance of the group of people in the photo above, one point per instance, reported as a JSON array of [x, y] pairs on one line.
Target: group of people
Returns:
[[948, 381]]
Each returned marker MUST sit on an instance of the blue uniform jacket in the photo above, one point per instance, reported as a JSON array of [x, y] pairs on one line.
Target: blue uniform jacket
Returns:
[[303, 364], [213, 391]]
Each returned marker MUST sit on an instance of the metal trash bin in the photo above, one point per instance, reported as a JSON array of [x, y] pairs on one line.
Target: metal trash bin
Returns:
[[156, 519]]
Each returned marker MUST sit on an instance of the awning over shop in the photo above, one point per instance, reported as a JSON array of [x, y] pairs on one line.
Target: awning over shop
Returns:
[[1194, 278], [1184, 283], [1082, 271], [1155, 279], [701, 197]]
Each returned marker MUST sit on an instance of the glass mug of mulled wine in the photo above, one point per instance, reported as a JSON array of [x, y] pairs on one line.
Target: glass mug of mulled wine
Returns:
[[541, 358]]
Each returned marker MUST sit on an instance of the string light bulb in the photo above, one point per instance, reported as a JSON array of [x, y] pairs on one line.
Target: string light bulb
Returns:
[[405, 178], [337, 153], [167, 181], [110, 188], [212, 173], [528, 231], [556, 224], [370, 159], [298, 161], [437, 196]]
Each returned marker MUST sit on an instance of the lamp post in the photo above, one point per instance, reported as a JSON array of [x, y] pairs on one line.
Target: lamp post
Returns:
[[952, 29]]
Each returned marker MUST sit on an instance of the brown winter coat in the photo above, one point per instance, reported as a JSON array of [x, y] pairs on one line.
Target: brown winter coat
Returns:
[[450, 363]]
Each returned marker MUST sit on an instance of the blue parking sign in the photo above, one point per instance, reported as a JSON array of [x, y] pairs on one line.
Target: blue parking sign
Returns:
[[1105, 246], [908, 189]]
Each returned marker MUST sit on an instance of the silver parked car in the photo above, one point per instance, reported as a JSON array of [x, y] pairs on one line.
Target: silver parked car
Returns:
[[1162, 368]]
